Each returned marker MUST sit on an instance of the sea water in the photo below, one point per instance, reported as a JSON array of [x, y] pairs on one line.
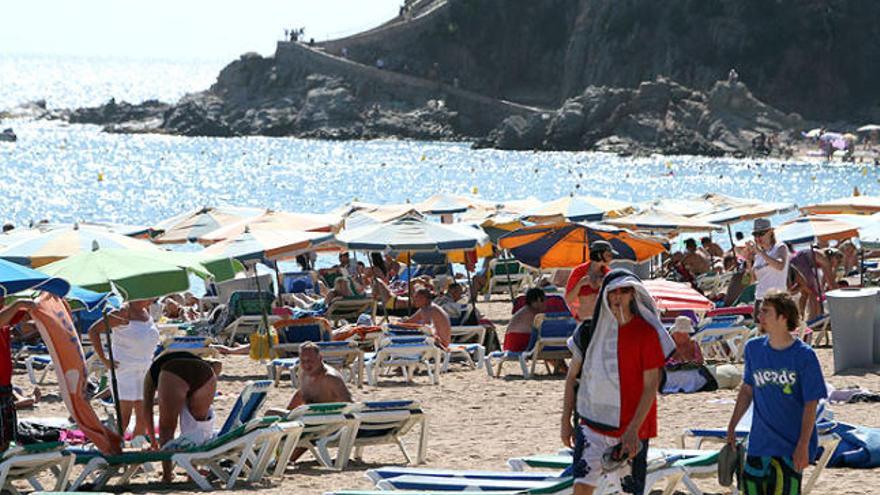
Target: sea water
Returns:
[[69, 173]]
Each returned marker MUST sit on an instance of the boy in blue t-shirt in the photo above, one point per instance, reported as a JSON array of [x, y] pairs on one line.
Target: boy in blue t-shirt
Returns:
[[783, 378]]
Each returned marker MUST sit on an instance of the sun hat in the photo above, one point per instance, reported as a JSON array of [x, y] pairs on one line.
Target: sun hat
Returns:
[[601, 246], [761, 225], [682, 324]]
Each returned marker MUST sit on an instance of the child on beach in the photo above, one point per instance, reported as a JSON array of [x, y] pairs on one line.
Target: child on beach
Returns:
[[783, 378]]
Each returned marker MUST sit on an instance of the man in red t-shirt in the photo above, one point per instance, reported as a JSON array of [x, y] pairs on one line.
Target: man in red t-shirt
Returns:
[[585, 280], [640, 360], [9, 315]]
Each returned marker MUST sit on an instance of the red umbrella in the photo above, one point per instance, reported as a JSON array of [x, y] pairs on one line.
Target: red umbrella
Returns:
[[675, 296]]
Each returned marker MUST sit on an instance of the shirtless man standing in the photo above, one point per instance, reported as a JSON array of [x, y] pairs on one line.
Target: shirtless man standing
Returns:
[[430, 313]]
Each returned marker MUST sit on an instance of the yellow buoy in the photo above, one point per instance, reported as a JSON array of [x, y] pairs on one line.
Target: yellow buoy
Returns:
[[100, 176], [423, 157], [864, 171], [475, 190]]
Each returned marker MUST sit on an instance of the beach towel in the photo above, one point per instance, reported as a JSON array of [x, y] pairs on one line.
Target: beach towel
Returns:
[[859, 447], [53, 320], [600, 374]]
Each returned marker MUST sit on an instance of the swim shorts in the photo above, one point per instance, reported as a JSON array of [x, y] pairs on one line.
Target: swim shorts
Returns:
[[589, 448], [763, 475]]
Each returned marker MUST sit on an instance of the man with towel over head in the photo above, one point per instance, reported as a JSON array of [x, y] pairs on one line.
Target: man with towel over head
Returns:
[[618, 360]]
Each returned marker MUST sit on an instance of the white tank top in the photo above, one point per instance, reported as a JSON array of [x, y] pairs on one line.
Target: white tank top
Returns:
[[768, 277], [135, 343]]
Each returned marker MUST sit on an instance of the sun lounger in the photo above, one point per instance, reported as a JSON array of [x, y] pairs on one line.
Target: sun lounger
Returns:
[[472, 354], [383, 423], [406, 353], [506, 276], [343, 355], [563, 487], [246, 446], [321, 423], [198, 345], [250, 310], [389, 472], [28, 461], [723, 338], [548, 341], [824, 424], [350, 309], [246, 406], [821, 327]]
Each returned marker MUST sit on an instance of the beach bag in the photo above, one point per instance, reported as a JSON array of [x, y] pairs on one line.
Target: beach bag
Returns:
[[262, 343]]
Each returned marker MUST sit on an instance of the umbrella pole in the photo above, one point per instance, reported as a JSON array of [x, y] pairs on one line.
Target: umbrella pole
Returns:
[[861, 267], [373, 268], [473, 297], [409, 295], [262, 309], [278, 281], [819, 282], [730, 235], [114, 386], [507, 271]]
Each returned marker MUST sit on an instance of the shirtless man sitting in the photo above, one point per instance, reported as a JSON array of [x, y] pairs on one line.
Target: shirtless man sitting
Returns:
[[430, 313], [318, 384], [695, 261]]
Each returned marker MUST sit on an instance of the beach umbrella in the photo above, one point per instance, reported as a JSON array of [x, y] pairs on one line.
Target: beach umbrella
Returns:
[[578, 208], [653, 220], [869, 128], [812, 133], [59, 243], [131, 274], [275, 220], [17, 278], [17, 235], [445, 204], [859, 205], [676, 296], [681, 207], [363, 218], [813, 229], [267, 245], [412, 235], [190, 225], [564, 245]]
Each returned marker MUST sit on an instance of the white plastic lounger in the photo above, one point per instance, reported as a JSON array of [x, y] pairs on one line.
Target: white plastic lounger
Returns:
[[27, 462], [321, 423], [381, 423], [433, 483], [388, 472], [407, 354]]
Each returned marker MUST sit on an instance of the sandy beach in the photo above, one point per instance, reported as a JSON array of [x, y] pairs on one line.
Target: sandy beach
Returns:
[[477, 422]]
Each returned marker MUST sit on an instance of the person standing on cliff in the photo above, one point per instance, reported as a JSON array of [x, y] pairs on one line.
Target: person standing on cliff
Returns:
[[732, 76]]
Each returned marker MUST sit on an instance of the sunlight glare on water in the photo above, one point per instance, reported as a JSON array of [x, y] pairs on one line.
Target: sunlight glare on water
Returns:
[[67, 173]]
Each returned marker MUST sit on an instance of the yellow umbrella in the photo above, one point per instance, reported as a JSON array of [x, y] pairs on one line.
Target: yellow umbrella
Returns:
[[858, 205]]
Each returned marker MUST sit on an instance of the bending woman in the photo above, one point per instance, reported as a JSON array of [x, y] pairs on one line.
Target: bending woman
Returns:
[[186, 385]]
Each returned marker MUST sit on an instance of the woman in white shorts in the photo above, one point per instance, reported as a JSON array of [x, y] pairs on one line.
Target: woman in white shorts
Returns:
[[135, 337]]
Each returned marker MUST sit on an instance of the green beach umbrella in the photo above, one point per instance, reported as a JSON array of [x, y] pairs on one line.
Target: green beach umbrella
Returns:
[[217, 268], [133, 274]]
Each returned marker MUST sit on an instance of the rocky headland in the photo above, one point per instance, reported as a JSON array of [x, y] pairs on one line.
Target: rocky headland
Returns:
[[629, 76]]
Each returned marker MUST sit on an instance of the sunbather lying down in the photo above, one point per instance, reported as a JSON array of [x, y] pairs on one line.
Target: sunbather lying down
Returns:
[[186, 385]]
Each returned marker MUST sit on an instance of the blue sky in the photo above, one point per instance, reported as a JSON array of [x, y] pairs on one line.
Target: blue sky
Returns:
[[177, 29]]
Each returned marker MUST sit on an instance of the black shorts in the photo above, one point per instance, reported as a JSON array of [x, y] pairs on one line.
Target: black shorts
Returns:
[[8, 417]]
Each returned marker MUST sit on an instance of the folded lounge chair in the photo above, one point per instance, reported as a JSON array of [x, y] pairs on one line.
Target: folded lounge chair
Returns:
[[350, 309]]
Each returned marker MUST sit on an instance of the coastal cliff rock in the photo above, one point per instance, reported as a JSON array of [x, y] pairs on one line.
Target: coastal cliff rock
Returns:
[[660, 116], [555, 74]]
